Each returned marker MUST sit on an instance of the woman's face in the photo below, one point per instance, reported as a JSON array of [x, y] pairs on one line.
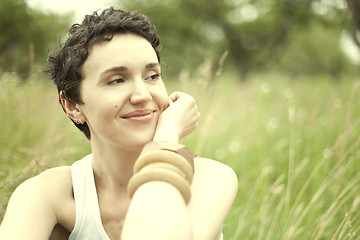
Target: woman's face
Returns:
[[122, 91]]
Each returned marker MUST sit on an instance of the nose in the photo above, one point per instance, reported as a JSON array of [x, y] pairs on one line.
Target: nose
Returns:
[[140, 92]]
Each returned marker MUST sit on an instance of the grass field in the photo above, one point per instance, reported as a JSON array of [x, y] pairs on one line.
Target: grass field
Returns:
[[294, 144]]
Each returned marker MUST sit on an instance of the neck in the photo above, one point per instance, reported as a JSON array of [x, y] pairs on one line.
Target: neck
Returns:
[[113, 166]]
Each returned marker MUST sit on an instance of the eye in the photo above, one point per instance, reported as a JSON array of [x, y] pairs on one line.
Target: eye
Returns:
[[153, 77], [116, 81]]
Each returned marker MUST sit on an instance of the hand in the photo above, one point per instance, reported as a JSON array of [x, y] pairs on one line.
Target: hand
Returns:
[[178, 120]]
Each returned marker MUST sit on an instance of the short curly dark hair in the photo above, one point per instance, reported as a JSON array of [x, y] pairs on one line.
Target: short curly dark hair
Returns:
[[64, 65]]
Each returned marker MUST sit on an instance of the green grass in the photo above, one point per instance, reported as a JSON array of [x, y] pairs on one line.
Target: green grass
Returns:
[[294, 144]]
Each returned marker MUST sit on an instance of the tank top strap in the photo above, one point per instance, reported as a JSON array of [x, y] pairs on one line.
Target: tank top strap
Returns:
[[88, 223]]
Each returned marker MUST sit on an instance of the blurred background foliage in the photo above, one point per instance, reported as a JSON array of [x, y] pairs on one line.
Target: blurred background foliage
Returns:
[[294, 145], [26, 35], [293, 36], [297, 37]]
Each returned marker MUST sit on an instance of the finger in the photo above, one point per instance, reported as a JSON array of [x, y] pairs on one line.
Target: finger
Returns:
[[176, 95], [170, 101]]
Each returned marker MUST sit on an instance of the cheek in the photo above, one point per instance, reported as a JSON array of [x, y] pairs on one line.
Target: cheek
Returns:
[[101, 109], [163, 100]]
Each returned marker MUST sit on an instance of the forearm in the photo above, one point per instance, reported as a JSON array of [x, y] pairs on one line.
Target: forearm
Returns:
[[157, 211]]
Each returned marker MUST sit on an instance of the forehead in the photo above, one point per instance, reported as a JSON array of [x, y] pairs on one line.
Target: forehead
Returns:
[[121, 50], [121, 40]]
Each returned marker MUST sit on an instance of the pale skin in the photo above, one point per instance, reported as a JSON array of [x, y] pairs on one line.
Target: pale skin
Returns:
[[120, 77]]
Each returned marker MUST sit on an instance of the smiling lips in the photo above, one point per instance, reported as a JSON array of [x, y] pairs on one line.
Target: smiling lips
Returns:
[[144, 115]]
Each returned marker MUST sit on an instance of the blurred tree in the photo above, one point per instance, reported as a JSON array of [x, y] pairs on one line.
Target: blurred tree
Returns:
[[354, 8], [312, 55], [256, 32], [26, 36]]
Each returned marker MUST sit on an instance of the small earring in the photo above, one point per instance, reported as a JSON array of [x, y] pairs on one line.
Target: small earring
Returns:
[[79, 121]]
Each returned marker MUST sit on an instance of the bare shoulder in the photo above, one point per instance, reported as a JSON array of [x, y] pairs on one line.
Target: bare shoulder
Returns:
[[39, 198], [216, 170], [51, 188], [206, 162], [213, 192], [50, 182], [56, 184], [55, 176]]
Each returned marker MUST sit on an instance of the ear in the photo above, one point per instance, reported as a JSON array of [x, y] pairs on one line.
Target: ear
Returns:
[[72, 109]]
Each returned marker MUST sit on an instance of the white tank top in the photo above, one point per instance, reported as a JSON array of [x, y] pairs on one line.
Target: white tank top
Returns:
[[88, 225]]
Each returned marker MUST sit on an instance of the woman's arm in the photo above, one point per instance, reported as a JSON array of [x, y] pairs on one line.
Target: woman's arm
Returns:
[[158, 210]]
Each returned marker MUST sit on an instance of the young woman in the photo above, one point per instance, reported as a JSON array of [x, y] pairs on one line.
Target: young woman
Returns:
[[138, 182]]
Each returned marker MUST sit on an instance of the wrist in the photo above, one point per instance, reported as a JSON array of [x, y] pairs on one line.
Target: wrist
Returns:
[[165, 162], [166, 136], [157, 149]]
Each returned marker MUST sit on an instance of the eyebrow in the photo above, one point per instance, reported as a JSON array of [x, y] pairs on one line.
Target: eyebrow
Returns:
[[152, 65], [123, 69], [114, 69]]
